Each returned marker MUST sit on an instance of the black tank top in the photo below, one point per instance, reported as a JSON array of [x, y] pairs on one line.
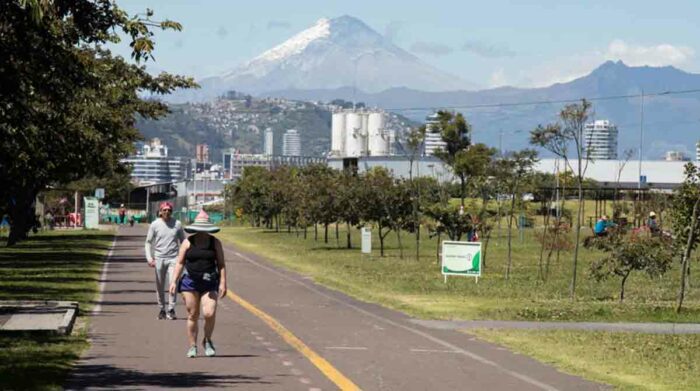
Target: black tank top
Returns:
[[200, 260]]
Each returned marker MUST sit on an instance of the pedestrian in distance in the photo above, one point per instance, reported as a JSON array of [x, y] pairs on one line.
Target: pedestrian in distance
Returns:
[[162, 245], [602, 226], [122, 214], [653, 224], [203, 281]]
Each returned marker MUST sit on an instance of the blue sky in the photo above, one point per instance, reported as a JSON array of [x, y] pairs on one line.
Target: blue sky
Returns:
[[491, 43]]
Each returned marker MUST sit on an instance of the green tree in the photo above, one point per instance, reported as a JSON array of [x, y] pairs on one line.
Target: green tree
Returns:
[[513, 171], [67, 104], [558, 138], [455, 132], [627, 253], [685, 218]]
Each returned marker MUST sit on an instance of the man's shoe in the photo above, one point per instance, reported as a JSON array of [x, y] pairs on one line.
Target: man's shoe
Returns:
[[161, 315], [171, 315], [209, 350], [192, 352]]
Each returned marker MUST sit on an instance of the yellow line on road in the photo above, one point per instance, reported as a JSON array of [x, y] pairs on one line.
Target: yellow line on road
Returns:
[[324, 366]]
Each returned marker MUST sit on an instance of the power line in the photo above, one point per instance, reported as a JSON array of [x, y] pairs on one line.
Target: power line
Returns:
[[543, 102]]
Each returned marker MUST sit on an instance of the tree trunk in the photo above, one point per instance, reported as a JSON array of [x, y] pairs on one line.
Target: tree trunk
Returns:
[[486, 247], [437, 251], [686, 256], [417, 241], [337, 235], [22, 216], [316, 232], [462, 190], [622, 286], [325, 233], [381, 241], [305, 229], [510, 236], [545, 235], [347, 234], [398, 237], [577, 236]]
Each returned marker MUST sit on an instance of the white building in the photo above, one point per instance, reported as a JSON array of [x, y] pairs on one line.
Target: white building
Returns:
[[656, 173], [268, 147], [151, 164], [433, 139], [291, 143], [675, 156], [600, 140], [240, 161], [697, 151]]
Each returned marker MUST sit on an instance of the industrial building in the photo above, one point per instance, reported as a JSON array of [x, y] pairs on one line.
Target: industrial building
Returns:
[[356, 133]]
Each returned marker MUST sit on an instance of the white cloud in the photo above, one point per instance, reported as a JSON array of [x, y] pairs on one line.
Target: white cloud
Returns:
[[565, 69], [655, 55], [498, 78]]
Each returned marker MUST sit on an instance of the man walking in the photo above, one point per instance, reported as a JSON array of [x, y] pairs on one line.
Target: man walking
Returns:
[[162, 245]]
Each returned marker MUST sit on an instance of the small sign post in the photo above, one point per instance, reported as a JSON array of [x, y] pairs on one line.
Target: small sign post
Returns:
[[92, 212], [366, 240], [100, 193], [461, 259]]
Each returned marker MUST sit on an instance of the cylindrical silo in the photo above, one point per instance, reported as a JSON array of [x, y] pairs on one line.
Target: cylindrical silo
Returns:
[[338, 134], [365, 134], [354, 139], [378, 140]]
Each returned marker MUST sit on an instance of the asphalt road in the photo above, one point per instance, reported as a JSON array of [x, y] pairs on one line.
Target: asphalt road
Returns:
[[277, 330]]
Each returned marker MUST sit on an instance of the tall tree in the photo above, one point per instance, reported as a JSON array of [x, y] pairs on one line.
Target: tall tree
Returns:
[[514, 169], [558, 138], [685, 217], [67, 105], [456, 133]]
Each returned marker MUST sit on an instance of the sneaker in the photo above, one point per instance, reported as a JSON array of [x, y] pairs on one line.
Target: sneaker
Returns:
[[209, 350], [161, 315], [171, 315], [192, 352]]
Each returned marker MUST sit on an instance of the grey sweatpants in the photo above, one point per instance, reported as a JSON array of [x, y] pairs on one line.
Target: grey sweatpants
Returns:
[[165, 268]]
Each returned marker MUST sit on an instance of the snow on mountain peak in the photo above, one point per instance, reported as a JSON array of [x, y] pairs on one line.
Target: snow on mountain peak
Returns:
[[299, 42]]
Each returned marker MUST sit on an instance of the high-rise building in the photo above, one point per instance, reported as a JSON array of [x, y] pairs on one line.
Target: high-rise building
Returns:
[[697, 151], [433, 138], [202, 153], [268, 146], [291, 143], [674, 156], [600, 140]]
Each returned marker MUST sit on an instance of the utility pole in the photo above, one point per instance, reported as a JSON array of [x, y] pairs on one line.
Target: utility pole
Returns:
[[641, 137]]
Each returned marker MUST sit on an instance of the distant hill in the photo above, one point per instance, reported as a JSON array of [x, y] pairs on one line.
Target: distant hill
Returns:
[[670, 121], [239, 121]]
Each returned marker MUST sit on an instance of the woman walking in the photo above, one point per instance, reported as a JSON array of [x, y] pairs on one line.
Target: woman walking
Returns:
[[203, 281]]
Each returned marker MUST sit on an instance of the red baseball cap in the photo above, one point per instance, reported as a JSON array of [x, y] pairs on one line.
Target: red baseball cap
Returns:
[[166, 204]]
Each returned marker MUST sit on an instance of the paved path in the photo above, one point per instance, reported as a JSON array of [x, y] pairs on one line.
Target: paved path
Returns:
[[278, 330], [652, 328]]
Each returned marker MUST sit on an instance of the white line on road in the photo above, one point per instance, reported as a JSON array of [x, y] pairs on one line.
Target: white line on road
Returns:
[[427, 336], [103, 277], [434, 351]]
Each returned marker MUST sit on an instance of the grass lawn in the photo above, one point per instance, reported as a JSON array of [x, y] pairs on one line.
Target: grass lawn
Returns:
[[417, 287], [57, 265], [629, 361]]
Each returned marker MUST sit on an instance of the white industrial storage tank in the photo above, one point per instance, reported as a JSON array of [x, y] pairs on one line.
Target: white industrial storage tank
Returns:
[[378, 139], [338, 134], [354, 135]]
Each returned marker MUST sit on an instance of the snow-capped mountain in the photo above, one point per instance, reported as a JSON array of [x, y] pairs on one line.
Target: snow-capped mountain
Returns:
[[339, 52]]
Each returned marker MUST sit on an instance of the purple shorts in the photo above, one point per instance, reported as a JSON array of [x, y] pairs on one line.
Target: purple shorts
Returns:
[[188, 284]]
